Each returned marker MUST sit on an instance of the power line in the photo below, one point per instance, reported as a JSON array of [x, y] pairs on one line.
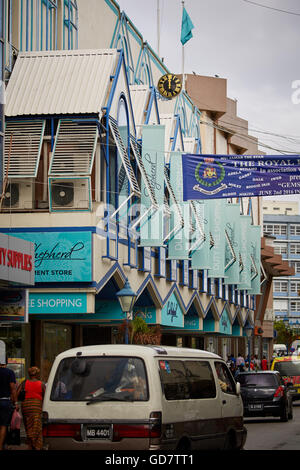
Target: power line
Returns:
[[272, 8]]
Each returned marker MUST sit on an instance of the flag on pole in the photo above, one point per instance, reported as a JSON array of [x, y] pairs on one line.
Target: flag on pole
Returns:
[[186, 27]]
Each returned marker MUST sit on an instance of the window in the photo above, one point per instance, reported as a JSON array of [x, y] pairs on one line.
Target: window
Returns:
[[295, 265], [295, 230], [280, 248], [295, 249], [278, 229], [183, 380], [225, 378], [261, 380], [280, 286], [295, 306], [70, 32], [100, 379], [295, 287]]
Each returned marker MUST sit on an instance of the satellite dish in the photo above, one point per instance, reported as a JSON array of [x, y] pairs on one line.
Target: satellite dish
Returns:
[[11, 195], [62, 193]]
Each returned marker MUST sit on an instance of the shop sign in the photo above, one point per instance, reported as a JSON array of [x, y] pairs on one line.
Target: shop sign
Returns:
[[62, 256], [209, 322], [14, 306], [62, 302], [108, 310], [191, 322], [225, 323], [171, 314], [16, 260], [146, 313]]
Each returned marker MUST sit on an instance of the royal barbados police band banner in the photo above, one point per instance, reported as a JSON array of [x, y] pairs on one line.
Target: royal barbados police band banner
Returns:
[[228, 176]]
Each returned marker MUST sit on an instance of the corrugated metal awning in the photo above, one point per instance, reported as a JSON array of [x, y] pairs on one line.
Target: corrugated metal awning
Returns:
[[60, 82]]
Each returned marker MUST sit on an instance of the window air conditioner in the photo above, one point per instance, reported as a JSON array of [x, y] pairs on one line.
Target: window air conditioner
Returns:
[[70, 194], [18, 195]]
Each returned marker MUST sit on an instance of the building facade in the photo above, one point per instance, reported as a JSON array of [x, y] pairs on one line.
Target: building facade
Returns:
[[91, 165], [286, 232]]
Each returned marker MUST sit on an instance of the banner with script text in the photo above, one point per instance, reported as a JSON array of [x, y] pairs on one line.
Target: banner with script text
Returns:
[[226, 176]]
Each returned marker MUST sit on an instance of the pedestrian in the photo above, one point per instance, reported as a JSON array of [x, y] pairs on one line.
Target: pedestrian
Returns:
[[32, 408], [264, 363], [239, 360], [8, 400], [257, 362]]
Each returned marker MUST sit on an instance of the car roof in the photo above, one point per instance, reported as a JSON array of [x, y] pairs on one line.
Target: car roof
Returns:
[[272, 372]]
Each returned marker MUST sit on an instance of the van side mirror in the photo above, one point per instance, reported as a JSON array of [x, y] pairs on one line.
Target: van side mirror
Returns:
[[238, 388]]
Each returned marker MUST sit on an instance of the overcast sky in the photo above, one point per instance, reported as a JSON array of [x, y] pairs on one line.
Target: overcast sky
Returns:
[[256, 49]]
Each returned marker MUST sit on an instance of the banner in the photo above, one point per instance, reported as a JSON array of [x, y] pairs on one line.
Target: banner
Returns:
[[224, 176], [153, 158], [245, 241], [217, 228], [255, 252], [232, 229], [178, 245], [200, 257]]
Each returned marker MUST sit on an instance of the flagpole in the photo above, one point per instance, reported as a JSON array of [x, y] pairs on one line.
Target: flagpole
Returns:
[[183, 77]]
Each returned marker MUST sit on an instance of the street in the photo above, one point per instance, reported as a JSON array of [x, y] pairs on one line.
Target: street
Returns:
[[271, 434]]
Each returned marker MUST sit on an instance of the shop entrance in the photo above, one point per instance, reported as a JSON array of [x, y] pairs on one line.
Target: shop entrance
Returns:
[[96, 335]]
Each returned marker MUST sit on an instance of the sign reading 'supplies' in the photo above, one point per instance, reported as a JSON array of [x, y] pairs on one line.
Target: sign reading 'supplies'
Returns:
[[61, 256]]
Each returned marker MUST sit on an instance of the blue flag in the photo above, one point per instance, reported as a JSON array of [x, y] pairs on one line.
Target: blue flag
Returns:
[[186, 27]]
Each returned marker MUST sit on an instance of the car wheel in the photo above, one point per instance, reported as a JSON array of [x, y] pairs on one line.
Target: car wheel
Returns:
[[284, 416]]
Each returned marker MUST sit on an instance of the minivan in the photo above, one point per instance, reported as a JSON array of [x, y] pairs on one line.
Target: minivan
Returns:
[[289, 369], [133, 397]]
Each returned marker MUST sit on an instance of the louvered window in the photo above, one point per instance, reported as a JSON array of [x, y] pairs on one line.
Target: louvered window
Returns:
[[124, 157], [74, 149], [23, 142]]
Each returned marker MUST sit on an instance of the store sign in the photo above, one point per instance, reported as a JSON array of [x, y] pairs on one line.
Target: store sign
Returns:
[[62, 256], [14, 306], [191, 322], [16, 260], [225, 323], [62, 302], [172, 314]]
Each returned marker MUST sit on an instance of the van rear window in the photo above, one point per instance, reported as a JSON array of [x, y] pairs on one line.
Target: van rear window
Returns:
[[183, 380], [287, 367], [100, 379]]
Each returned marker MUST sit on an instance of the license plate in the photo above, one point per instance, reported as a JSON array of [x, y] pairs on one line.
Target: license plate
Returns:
[[98, 431], [258, 406]]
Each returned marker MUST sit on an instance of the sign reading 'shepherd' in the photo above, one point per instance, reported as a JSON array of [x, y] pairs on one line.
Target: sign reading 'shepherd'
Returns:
[[224, 176]]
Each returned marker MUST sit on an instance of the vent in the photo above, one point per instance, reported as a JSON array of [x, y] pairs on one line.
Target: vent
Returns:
[[22, 150], [74, 149], [69, 194]]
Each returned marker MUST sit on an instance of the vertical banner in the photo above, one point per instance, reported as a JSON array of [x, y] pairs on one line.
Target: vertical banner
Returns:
[[232, 227], [200, 258], [153, 158], [255, 252], [216, 209], [178, 245], [245, 273]]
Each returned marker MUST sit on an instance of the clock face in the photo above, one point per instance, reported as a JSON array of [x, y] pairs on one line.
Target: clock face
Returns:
[[169, 85]]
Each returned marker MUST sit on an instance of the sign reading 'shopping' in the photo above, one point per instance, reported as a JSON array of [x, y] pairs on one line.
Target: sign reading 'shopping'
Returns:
[[226, 176]]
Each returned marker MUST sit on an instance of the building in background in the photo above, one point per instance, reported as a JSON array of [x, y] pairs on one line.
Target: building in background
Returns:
[[285, 230], [88, 140]]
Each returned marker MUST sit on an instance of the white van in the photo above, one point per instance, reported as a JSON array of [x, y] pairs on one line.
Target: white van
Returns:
[[129, 397], [279, 350]]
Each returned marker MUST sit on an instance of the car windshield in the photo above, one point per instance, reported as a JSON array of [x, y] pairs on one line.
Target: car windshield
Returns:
[[95, 379], [288, 367], [258, 380]]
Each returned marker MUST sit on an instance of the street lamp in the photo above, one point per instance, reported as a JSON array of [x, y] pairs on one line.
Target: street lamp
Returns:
[[248, 330], [126, 297]]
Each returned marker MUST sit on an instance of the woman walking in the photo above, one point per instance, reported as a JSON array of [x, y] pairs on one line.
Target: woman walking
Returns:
[[32, 408]]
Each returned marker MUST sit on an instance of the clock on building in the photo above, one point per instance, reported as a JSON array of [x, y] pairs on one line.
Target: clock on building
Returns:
[[169, 85]]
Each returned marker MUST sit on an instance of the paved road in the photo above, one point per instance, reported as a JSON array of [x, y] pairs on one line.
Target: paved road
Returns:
[[271, 434]]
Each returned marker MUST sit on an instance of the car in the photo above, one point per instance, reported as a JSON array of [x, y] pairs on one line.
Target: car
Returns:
[[289, 369], [264, 393]]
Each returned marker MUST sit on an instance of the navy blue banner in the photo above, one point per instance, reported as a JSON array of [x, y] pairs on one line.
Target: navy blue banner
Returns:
[[226, 176]]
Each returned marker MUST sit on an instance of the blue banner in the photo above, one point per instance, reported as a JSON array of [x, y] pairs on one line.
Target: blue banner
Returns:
[[226, 176]]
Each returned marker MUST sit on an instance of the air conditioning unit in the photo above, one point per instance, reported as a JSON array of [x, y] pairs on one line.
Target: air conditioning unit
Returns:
[[19, 195], [70, 193]]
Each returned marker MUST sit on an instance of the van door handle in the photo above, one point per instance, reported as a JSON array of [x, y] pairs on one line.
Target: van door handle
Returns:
[[224, 402]]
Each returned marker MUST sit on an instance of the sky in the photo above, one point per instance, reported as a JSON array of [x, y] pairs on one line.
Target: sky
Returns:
[[250, 43]]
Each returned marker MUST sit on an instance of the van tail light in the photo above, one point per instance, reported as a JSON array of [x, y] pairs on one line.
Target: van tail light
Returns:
[[62, 430], [149, 430], [279, 392]]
